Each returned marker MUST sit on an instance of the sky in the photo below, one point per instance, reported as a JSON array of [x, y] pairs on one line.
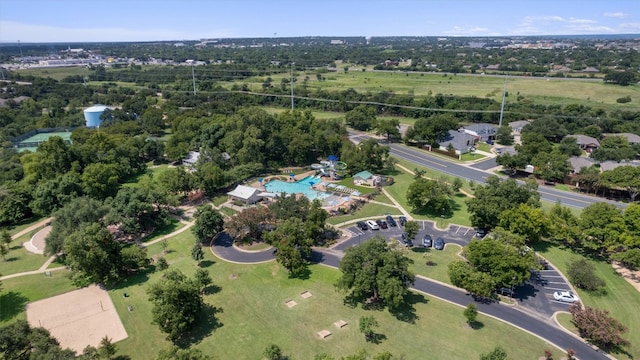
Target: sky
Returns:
[[151, 20]]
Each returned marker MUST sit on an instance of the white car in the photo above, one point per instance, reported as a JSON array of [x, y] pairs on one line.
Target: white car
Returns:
[[565, 296], [372, 225]]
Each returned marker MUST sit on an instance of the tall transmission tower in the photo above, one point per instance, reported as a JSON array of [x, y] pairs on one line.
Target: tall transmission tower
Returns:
[[504, 95], [292, 103]]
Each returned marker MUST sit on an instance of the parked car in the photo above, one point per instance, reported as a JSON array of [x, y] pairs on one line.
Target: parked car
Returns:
[[372, 225], [362, 225], [391, 221], [406, 241], [439, 244], [481, 233], [565, 296], [382, 224], [505, 291], [427, 241], [402, 220]]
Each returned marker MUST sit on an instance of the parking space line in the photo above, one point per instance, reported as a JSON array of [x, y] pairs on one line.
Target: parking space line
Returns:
[[552, 288], [466, 232], [556, 282]]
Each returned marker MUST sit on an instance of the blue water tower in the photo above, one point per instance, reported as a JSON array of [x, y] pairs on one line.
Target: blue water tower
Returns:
[[92, 115]]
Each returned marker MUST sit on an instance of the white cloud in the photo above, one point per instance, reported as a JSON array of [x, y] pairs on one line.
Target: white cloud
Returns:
[[13, 31], [617, 14], [629, 27], [580, 21], [470, 31]]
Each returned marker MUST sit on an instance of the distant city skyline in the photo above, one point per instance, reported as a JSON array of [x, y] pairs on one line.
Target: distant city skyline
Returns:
[[147, 20]]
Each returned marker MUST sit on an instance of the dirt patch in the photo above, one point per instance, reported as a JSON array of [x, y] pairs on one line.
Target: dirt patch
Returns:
[[233, 276], [78, 318], [632, 276]]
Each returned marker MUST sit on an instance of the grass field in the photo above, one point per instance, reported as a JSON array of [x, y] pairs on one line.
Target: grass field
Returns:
[[440, 260], [56, 73], [19, 259], [250, 314], [622, 300]]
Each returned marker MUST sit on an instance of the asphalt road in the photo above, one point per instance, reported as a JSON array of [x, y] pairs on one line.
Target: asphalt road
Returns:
[[223, 248], [419, 157]]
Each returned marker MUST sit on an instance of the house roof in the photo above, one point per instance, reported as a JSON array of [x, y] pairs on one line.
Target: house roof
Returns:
[[459, 140], [578, 162], [585, 140], [519, 124], [610, 164], [192, 157], [482, 128], [631, 138], [243, 192], [365, 175]]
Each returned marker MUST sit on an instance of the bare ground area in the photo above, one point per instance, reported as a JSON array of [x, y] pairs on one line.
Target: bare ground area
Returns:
[[632, 276], [78, 318]]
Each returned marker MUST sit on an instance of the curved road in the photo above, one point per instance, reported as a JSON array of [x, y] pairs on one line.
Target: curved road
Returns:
[[421, 158], [224, 249]]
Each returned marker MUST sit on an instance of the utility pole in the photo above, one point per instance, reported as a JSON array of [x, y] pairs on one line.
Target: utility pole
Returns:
[[84, 80], [504, 94], [193, 76], [292, 104]]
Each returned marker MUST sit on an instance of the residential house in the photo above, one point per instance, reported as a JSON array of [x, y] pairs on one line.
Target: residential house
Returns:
[[517, 126], [366, 178], [461, 141], [610, 164], [632, 139], [246, 194], [482, 131], [191, 159], [578, 162], [586, 143]]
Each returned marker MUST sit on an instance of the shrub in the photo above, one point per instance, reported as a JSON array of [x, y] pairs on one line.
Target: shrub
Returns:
[[599, 327], [624, 99], [582, 274], [629, 258], [162, 263]]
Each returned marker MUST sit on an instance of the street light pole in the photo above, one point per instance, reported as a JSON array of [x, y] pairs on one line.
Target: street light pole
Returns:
[[292, 85]]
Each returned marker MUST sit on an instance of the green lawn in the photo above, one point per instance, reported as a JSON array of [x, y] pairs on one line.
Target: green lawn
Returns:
[[17, 292], [382, 198], [16, 229], [367, 211], [220, 199], [348, 182], [228, 211], [434, 174], [399, 192], [622, 299], [482, 146], [440, 260], [172, 225], [251, 313], [472, 157], [19, 259]]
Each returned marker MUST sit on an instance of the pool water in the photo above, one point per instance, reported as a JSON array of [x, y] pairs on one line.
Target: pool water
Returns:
[[302, 186]]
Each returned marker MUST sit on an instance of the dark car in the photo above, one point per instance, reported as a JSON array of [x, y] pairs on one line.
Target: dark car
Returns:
[[382, 224], [362, 225], [481, 233], [427, 241], [402, 220], [439, 245], [406, 241], [391, 221]]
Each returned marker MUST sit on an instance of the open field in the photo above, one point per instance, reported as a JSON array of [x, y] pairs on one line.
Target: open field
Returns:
[[56, 73], [440, 260], [19, 259], [251, 313], [622, 299], [551, 91]]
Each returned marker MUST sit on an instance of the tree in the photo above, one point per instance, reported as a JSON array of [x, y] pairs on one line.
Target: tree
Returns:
[[93, 255], [176, 353], [203, 279], [373, 272], [176, 303], [19, 341], [598, 327], [471, 313], [583, 275], [273, 352], [553, 166], [100, 180], [362, 117], [569, 147], [5, 237], [532, 223], [504, 136], [293, 244], [367, 324], [137, 209], [498, 353], [533, 143], [430, 130], [388, 127], [107, 349], [209, 222], [604, 226], [196, 252], [623, 177], [249, 222], [511, 162], [497, 196], [432, 196], [548, 127], [4, 250], [411, 228]]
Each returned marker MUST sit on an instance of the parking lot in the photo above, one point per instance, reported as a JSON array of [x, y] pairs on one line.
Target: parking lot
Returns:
[[457, 234], [535, 295]]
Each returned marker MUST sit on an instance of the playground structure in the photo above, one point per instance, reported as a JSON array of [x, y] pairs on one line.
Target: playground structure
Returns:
[[330, 167]]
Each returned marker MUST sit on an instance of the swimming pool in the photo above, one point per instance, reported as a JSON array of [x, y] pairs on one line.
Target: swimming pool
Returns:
[[302, 186]]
